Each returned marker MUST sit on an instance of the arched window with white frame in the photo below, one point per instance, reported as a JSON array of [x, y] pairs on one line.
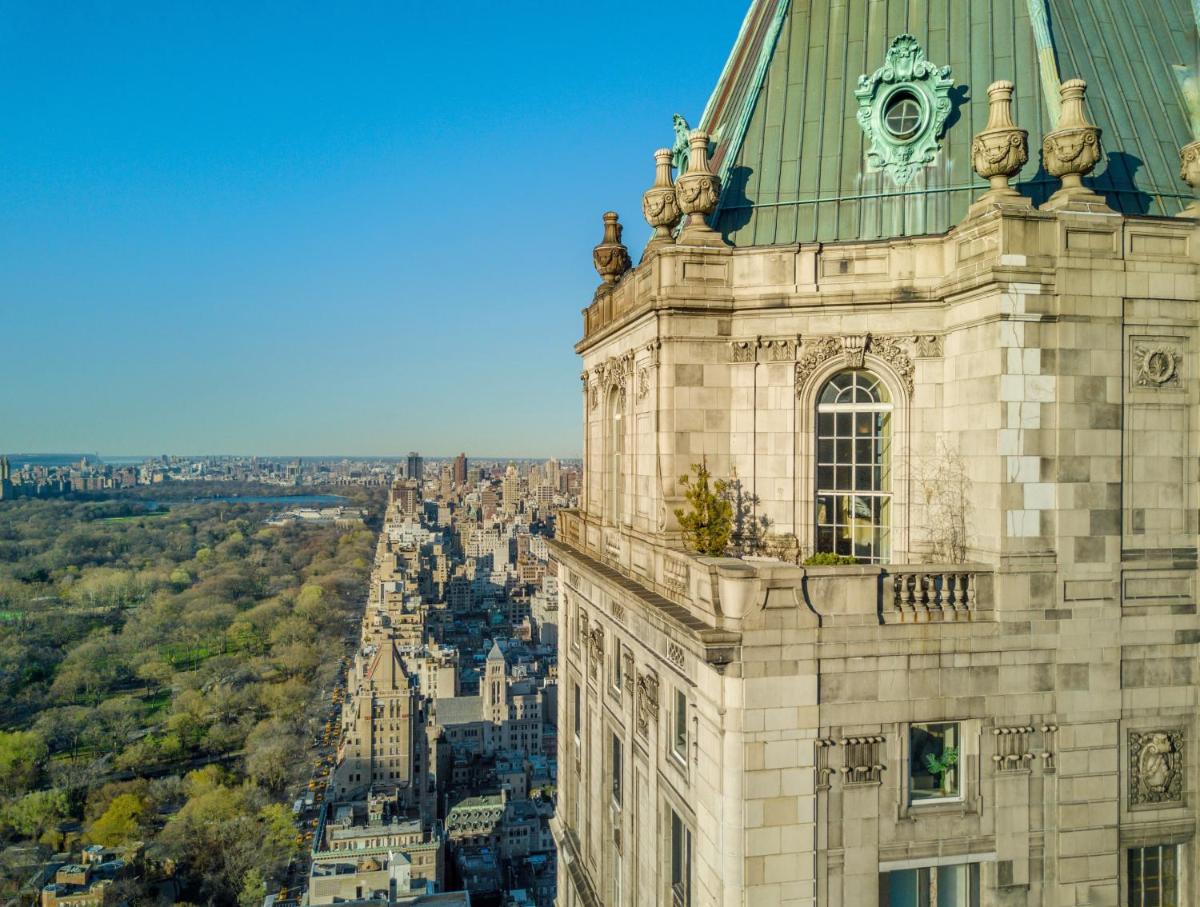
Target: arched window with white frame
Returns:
[[854, 467], [615, 442]]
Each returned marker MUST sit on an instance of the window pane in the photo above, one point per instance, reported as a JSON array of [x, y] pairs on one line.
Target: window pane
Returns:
[[933, 761], [864, 478], [824, 478], [825, 424], [845, 424], [825, 450], [841, 479], [824, 538], [844, 451]]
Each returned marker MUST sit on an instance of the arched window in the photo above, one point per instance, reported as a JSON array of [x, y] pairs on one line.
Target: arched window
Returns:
[[616, 454], [854, 474]]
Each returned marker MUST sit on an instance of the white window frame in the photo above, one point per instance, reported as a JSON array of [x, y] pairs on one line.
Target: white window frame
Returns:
[[679, 716], [960, 772]]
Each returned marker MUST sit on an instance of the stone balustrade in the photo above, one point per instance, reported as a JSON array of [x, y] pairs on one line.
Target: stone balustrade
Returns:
[[944, 592], [722, 592]]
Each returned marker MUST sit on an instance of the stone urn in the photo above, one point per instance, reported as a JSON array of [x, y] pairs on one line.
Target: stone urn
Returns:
[[1072, 150], [698, 192], [1000, 151], [1189, 171], [611, 258], [659, 204]]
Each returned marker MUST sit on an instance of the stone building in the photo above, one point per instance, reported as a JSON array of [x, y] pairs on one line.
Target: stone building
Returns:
[[956, 660], [382, 735]]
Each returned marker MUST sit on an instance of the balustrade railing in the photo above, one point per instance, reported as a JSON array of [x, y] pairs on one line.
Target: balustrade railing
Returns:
[[923, 593]]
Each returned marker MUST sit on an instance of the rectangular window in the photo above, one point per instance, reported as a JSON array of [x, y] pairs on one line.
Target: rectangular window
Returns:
[[616, 770], [679, 726], [933, 762], [578, 711], [1154, 876], [931, 886], [681, 862], [616, 666]]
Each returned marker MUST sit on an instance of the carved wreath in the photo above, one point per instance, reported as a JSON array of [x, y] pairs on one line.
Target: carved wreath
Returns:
[[1157, 365]]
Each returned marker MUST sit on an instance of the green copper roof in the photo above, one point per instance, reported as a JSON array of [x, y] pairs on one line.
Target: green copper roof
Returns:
[[793, 156]]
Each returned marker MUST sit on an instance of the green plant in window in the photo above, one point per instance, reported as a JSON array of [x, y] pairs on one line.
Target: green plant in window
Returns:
[[942, 767], [828, 559], [707, 522]]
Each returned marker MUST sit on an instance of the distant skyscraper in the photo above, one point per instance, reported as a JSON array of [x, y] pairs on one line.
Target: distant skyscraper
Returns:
[[416, 466], [460, 469]]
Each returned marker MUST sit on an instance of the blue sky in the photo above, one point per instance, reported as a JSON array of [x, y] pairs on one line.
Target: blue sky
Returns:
[[321, 228]]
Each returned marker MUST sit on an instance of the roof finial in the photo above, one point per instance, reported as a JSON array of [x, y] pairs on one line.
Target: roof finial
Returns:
[[698, 192], [1072, 150], [611, 258], [1000, 151], [659, 204]]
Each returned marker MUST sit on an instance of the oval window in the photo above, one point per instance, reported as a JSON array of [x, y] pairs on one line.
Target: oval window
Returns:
[[902, 117]]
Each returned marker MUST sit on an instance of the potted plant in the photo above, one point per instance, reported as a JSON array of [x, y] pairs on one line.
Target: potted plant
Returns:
[[943, 768]]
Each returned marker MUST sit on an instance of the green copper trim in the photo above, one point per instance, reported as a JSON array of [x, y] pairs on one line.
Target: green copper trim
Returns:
[[1039, 15], [760, 74], [902, 109]]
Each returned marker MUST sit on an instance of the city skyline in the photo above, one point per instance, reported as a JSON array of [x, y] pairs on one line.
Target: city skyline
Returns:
[[235, 190]]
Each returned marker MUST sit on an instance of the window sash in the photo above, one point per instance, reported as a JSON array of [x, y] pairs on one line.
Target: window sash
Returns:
[[1154, 876]]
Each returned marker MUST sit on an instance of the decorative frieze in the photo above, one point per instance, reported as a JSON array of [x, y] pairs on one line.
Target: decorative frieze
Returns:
[[643, 382], [647, 701], [813, 354], [675, 654], [863, 759], [627, 670], [1012, 749], [1156, 762], [676, 575], [853, 349]]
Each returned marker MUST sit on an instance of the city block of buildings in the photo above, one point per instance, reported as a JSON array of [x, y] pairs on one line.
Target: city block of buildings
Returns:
[[445, 773]]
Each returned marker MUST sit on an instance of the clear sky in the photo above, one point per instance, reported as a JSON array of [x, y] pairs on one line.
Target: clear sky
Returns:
[[321, 228]]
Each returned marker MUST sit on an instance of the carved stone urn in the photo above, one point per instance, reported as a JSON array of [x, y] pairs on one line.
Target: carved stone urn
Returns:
[[698, 191], [659, 205], [1072, 150], [1189, 171], [1000, 151], [611, 258]]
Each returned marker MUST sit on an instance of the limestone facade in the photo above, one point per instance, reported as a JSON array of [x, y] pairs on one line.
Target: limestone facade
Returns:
[[754, 731]]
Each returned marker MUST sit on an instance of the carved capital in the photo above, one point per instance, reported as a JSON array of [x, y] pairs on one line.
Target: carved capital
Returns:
[[743, 350]]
